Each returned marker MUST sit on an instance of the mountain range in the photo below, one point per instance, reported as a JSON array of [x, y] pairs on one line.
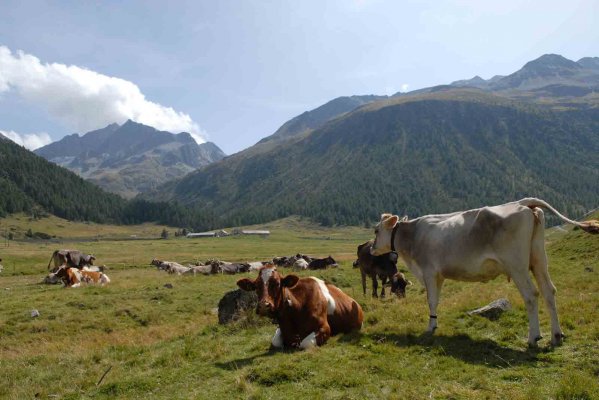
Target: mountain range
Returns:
[[551, 80], [531, 133], [130, 158], [472, 142]]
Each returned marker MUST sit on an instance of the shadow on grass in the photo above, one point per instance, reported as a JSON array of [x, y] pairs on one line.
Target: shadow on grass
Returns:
[[242, 362], [463, 347]]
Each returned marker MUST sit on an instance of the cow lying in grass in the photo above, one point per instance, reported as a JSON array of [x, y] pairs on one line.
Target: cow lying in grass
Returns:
[[479, 245], [307, 310], [322, 263], [291, 261], [95, 268], [73, 277], [211, 267], [300, 264], [169, 266], [256, 265], [383, 267], [52, 278], [199, 269]]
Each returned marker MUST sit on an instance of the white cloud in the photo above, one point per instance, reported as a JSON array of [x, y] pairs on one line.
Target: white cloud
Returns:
[[31, 141], [85, 100], [404, 87]]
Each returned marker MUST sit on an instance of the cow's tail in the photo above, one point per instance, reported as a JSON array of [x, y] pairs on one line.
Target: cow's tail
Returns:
[[52, 258], [591, 226]]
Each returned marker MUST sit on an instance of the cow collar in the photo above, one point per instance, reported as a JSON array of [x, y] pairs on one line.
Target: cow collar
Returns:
[[393, 233]]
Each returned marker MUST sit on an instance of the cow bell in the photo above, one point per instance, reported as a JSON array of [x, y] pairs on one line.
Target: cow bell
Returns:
[[393, 257]]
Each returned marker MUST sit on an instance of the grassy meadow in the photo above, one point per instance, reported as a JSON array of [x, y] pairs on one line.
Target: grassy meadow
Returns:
[[157, 342]]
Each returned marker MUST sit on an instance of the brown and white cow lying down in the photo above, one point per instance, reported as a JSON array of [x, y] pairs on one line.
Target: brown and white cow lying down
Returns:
[[478, 245], [73, 277], [307, 310]]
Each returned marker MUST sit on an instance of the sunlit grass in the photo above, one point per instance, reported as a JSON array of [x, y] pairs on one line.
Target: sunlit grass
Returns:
[[166, 343]]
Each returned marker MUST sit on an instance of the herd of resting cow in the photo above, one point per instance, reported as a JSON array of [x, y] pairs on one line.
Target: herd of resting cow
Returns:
[[475, 245], [72, 268]]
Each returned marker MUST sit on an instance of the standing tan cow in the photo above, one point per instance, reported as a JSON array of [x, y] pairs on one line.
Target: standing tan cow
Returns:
[[479, 245]]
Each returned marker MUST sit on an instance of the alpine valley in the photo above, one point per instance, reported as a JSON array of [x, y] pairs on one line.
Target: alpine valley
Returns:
[[531, 133], [473, 142]]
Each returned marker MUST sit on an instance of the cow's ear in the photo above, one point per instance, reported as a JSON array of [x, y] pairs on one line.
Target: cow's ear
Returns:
[[246, 284], [404, 219], [290, 281], [385, 216], [391, 221]]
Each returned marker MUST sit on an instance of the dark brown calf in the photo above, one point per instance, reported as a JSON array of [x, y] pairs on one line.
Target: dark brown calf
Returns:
[[383, 267], [307, 310]]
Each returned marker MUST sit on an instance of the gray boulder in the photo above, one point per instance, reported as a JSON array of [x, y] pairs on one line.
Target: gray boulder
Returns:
[[234, 303], [493, 310]]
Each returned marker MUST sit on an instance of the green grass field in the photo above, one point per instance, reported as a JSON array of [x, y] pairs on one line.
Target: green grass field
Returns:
[[166, 343]]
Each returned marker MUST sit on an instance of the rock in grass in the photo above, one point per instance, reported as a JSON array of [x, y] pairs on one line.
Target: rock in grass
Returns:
[[589, 269], [168, 285], [234, 303], [493, 310], [35, 313]]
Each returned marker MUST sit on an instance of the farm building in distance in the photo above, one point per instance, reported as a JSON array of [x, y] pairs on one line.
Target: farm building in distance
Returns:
[[220, 233], [223, 233], [255, 232]]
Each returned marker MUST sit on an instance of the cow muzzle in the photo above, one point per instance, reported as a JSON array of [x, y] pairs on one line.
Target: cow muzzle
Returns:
[[264, 308]]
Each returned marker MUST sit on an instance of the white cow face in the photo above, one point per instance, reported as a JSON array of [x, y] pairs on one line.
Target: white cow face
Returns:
[[269, 287], [382, 231]]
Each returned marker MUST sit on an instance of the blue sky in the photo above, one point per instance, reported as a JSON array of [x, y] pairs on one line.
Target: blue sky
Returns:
[[234, 71]]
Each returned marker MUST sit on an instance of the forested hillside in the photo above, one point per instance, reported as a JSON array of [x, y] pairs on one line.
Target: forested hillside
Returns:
[[29, 183], [28, 180], [428, 153]]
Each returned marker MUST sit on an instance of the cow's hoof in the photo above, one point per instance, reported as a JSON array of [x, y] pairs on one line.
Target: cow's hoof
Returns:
[[558, 339], [534, 343]]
